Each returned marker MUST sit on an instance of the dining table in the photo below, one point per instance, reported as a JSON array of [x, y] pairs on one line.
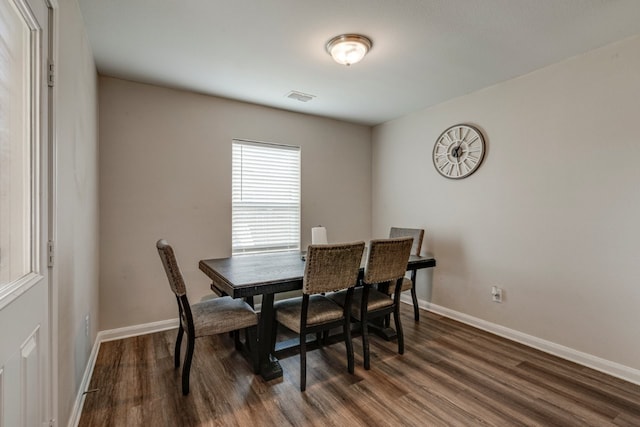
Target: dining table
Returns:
[[267, 274]]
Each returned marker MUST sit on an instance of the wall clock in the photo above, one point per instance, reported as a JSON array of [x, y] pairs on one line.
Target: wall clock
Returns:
[[458, 151]]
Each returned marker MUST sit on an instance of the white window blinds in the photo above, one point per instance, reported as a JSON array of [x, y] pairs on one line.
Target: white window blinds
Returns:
[[266, 197]]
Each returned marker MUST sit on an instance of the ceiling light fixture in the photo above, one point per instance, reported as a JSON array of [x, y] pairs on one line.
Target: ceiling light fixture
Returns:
[[347, 49]]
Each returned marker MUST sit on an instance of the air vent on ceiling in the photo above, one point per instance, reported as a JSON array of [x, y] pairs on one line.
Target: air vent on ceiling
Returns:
[[299, 96]]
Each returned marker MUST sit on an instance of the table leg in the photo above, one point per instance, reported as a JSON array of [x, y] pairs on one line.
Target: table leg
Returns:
[[269, 366], [386, 333]]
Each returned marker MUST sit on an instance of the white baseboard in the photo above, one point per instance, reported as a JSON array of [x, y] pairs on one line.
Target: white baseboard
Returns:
[[74, 419], [110, 335], [608, 367], [136, 330]]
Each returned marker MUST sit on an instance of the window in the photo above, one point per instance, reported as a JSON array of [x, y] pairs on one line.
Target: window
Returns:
[[18, 177], [265, 197]]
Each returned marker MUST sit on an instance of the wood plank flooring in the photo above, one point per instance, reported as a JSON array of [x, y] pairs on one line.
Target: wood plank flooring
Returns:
[[450, 375]]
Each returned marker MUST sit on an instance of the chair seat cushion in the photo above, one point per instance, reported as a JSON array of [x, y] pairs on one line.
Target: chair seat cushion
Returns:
[[406, 285], [376, 300], [321, 310], [220, 315]]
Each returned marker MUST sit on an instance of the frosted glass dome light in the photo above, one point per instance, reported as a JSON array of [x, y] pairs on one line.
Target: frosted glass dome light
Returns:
[[347, 49]]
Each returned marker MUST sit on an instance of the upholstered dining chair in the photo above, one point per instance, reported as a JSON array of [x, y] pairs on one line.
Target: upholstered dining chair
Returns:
[[386, 263], [328, 268], [409, 284], [205, 318]]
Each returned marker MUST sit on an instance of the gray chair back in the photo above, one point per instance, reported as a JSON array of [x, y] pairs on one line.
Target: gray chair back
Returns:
[[332, 267], [176, 282], [416, 233], [387, 260]]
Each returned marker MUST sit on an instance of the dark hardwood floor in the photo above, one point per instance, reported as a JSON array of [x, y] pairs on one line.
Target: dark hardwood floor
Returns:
[[450, 375]]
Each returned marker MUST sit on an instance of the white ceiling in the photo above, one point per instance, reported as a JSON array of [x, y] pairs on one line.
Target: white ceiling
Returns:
[[424, 51]]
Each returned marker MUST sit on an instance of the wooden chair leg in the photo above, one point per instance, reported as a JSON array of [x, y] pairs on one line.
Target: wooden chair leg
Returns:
[[186, 368], [303, 361], [319, 339], [349, 344], [399, 332], [365, 345], [365, 329], [416, 308], [414, 297], [178, 345]]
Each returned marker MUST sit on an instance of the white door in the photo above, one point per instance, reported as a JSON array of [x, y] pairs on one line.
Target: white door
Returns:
[[24, 277]]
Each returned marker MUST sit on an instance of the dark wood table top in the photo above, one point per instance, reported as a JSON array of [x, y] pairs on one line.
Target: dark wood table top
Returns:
[[248, 275]]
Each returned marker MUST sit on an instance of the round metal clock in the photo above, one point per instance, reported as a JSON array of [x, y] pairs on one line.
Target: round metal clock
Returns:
[[458, 151]]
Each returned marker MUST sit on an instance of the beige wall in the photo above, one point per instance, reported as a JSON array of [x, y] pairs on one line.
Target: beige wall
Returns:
[[552, 214], [165, 171], [76, 217]]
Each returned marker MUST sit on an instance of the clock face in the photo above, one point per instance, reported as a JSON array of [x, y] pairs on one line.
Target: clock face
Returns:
[[458, 151]]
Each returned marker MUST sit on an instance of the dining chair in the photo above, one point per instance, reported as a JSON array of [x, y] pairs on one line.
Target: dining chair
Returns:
[[386, 263], [328, 268], [205, 318], [409, 284]]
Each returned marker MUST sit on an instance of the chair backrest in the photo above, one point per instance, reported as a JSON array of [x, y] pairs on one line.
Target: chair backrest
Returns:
[[388, 259], [416, 233], [332, 267], [171, 267]]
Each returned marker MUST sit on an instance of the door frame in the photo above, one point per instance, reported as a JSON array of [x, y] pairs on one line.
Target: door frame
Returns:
[[52, 229], [44, 202]]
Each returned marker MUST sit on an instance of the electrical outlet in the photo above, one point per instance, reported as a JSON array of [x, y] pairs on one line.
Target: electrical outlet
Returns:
[[496, 294], [86, 326]]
